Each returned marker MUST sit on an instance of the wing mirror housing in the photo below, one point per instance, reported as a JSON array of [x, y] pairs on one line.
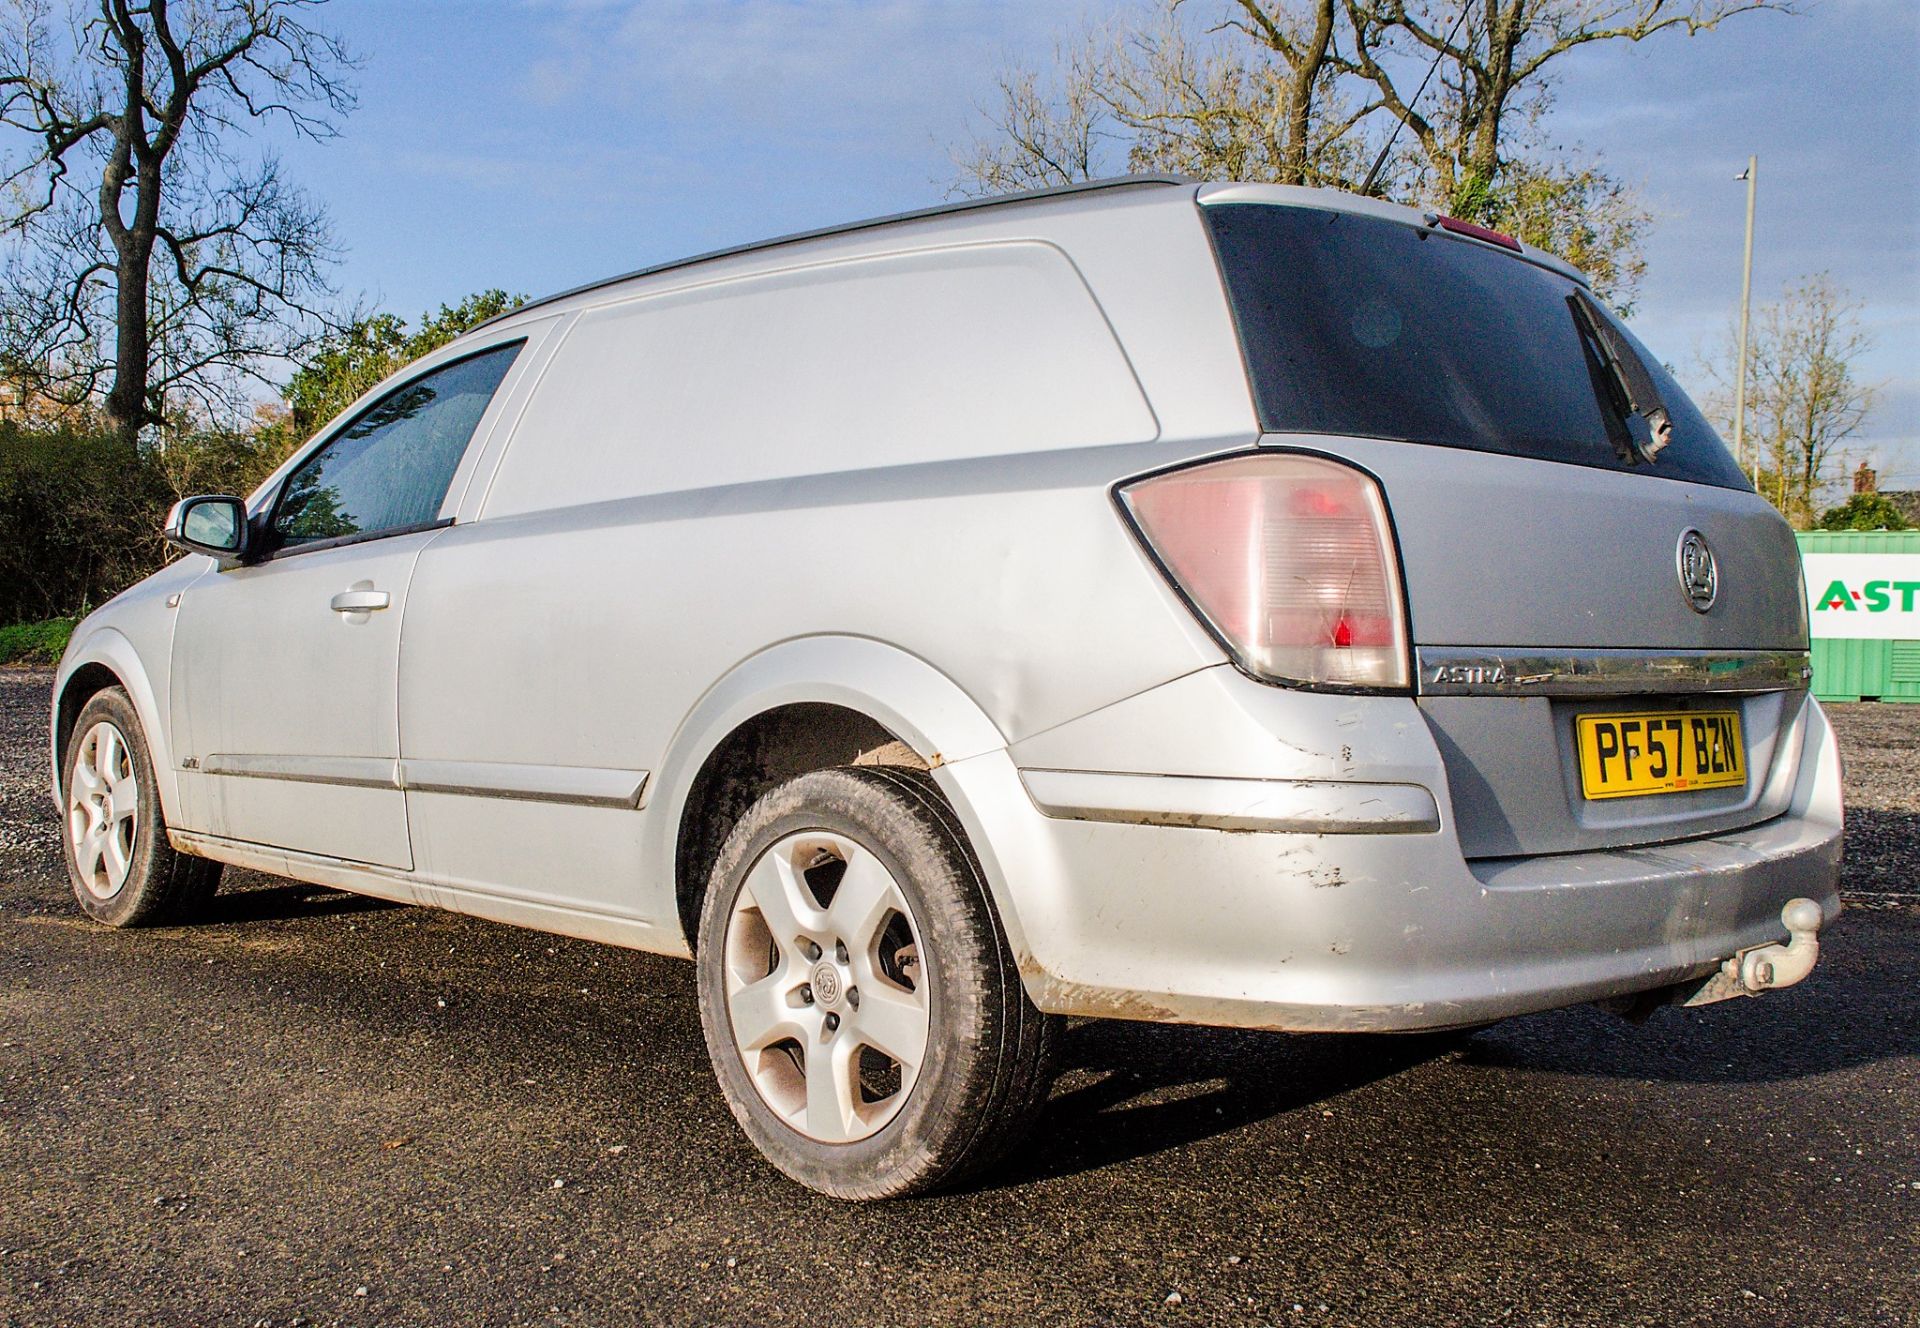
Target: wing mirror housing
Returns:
[[213, 524]]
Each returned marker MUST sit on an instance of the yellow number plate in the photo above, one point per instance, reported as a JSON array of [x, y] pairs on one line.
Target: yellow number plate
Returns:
[[1624, 756]]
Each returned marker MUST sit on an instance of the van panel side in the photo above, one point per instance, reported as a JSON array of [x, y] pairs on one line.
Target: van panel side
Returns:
[[927, 356], [582, 637]]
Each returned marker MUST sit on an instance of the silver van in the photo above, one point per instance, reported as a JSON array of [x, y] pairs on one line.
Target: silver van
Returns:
[[1217, 604]]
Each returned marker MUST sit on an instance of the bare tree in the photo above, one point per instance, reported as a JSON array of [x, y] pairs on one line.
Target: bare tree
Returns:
[[1301, 44], [142, 255], [1254, 97], [1571, 207], [1804, 398], [1041, 137], [1494, 58], [1309, 91]]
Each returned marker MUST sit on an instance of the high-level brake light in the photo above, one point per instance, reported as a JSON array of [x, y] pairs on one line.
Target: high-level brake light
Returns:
[[1487, 233], [1289, 559]]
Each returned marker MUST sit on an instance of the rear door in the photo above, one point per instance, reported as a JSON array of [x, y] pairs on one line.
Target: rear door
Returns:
[[284, 691], [1527, 510], [1558, 562]]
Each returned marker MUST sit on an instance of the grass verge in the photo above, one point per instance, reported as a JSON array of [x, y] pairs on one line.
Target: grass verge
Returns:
[[35, 643]]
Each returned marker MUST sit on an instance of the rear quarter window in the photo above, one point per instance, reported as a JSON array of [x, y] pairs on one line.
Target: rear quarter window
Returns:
[[1364, 326]]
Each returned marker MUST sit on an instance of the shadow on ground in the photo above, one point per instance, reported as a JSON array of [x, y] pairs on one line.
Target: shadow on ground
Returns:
[[285, 901], [1128, 1091]]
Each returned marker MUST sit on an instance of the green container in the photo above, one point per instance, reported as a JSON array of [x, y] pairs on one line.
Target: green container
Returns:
[[1857, 670]]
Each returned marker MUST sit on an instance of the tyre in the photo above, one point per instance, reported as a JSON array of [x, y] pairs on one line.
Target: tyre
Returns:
[[864, 1014], [123, 871]]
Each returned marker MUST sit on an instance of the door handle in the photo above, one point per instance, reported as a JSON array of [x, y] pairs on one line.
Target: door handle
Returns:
[[360, 601]]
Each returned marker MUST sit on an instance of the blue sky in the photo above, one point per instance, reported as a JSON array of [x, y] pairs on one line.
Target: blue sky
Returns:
[[537, 144]]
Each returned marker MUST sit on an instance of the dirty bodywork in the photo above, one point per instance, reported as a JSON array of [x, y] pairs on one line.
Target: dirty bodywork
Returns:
[[962, 560]]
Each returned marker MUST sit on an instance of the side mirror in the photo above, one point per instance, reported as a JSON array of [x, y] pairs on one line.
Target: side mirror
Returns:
[[212, 524]]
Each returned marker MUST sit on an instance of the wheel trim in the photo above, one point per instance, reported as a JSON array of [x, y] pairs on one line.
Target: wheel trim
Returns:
[[103, 810], [822, 995]]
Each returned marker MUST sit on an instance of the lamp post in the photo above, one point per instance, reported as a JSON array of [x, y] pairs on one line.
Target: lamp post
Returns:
[[1752, 176]]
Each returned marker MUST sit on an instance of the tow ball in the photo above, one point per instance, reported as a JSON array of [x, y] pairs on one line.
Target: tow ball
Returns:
[[1768, 967]]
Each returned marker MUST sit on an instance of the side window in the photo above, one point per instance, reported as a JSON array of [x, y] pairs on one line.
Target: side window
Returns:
[[390, 468]]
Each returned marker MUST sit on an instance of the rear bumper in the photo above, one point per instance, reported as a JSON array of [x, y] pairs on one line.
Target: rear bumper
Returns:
[[1214, 902]]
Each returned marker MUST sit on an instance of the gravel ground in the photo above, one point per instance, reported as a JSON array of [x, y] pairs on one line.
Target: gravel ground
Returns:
[[318, 1109], [29, 831], [1880, 753]]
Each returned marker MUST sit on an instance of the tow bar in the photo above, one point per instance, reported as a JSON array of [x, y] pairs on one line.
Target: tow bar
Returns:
[[1768, 967]]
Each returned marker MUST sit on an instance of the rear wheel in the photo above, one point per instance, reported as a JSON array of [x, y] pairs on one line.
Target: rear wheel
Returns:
[[123, 871], [864, 1015]]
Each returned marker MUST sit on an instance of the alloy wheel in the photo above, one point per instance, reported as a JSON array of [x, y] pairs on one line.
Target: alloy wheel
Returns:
[[103, 810], [827, 998]]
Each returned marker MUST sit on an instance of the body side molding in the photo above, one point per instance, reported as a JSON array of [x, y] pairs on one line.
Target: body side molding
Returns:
[[1285, 806], [584, 786], [355, 771], [588, 786]]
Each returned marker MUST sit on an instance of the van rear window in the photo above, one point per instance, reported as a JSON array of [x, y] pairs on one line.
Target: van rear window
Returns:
[[1363, 326]]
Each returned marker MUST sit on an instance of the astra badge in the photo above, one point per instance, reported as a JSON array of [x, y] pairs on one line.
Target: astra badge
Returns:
[[1699, 576]]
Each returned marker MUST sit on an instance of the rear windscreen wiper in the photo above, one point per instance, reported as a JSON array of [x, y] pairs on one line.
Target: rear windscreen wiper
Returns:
[[1634, 386]]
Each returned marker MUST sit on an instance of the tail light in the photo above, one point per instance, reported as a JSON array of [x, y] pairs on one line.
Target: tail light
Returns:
[[1288, 559]]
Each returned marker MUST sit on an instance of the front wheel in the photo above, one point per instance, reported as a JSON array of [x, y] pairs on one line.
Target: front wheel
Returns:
[[123, 870], [864, 1014]]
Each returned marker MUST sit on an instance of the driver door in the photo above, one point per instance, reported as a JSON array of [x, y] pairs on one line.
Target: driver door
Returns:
[[285, 668]]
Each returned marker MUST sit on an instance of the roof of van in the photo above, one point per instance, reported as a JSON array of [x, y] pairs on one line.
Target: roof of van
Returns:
[[850, 227], [1296, 195]]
